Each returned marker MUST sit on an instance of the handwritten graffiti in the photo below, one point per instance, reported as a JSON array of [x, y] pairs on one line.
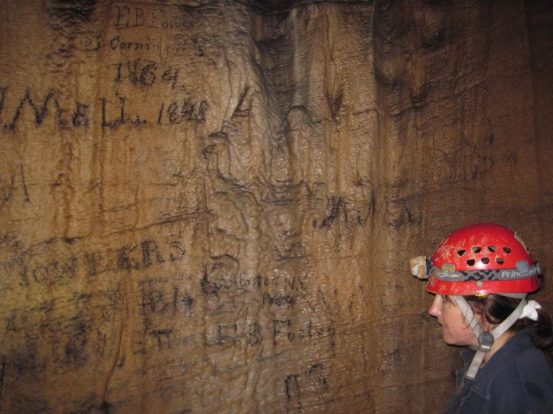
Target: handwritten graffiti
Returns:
[[135, 256], [76, 117], [125, 45], [127, 17], [293, 394], [299, 386], [14, 184], [145, 72], [130, 16], [31, 269], [114, 111], [342, 211], [66, 343], [277, 286], [164, 297], [246, 331], [287, 331], [283, 332], [183, 110]]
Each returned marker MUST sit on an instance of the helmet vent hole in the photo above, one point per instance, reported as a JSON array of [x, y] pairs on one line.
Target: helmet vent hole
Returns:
[[485, 260], [471, 262], [507, 250], [492, 249], [461, 252], [500, 260], [476, 249]]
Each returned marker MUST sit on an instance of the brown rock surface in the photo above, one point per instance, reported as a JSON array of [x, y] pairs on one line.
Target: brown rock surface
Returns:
[[209, 206]]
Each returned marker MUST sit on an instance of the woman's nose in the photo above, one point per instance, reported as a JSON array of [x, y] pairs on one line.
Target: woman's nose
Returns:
[[436, 308]]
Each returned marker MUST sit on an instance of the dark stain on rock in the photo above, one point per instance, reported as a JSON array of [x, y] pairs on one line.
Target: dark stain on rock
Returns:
[[335, 204], [69, 20], [335, 102], [2, 373], [279, 299], [284, 6], [442, 3], [437, 38], [391, 24], [372, 203], [208, 287], [93, 406], [419, 98], [75, 348], [389, 82], [72, 12], [26, 360]]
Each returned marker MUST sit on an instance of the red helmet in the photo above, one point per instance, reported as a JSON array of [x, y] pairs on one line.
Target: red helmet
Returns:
[[482, 259]]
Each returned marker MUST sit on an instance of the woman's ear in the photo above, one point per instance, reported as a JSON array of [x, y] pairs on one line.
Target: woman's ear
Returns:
[[484, 323], [480, 318]]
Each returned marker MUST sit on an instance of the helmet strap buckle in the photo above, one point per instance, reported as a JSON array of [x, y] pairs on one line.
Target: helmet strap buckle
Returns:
[[485, 341]]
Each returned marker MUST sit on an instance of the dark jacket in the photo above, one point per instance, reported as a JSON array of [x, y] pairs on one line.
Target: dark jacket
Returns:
[[516, 380]]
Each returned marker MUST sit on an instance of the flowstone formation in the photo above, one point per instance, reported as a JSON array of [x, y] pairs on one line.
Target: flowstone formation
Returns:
[[209, 206]]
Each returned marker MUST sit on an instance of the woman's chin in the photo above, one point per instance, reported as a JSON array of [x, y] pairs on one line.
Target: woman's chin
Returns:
[[449, 340]]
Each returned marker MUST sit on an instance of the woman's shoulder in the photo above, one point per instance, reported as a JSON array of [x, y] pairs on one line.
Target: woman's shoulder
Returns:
[[518, 363], [523, 358], [532, 365], [525, 375]]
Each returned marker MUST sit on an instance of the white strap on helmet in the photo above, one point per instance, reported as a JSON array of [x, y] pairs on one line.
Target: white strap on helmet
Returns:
[[468, 314], [530, 310], [486, 339]]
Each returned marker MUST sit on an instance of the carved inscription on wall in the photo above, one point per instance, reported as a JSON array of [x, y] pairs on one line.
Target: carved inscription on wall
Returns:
[[154, 248]]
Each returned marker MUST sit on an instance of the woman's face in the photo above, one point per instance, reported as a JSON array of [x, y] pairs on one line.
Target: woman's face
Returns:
[[455, 330]]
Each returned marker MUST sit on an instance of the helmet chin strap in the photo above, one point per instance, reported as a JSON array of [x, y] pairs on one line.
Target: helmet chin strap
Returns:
[[485, 338]]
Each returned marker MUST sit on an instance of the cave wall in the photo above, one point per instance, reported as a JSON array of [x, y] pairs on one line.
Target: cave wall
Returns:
[[209, 206]]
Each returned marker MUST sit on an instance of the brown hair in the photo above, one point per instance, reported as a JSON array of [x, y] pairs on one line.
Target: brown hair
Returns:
[[496, 308]]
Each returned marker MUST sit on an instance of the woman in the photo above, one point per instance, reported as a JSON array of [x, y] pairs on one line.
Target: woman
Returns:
[[481, 276]]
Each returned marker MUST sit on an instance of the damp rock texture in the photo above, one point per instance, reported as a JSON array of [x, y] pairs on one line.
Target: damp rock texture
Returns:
[[209, 206]]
